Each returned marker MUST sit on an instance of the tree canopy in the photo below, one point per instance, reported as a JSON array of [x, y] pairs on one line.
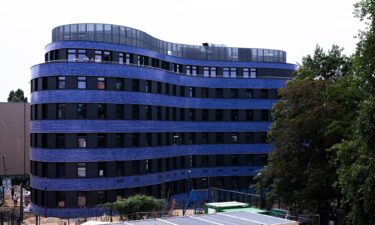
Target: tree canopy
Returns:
[[17, 96], [127, 208], [324, 131], [309, 119]]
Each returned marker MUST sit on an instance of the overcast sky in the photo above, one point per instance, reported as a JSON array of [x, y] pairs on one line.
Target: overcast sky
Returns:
[[295, 26]]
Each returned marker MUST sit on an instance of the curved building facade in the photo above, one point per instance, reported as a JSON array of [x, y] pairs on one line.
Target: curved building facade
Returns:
[[116, 112]]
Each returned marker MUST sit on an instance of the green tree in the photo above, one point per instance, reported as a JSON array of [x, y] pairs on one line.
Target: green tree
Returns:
[[17, 96], [127, 208], [314, 114], [356, 155]]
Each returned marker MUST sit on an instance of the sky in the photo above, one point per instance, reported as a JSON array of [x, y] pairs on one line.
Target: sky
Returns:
[[295, 26]]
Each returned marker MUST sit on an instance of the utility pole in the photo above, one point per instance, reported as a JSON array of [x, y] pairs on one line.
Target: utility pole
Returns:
[[21, 203], [261, 191], [5, 168]]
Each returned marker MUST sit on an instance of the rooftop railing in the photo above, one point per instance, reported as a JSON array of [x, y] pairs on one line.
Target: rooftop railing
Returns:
[[133, 37]]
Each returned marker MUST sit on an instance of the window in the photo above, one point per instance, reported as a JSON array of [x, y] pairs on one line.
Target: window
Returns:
[[101, 197], [119, 111], [81, 169], [204, 138], [135, 112], [194, 70], [159, 87], [234, 115], [81, 82], [219, 138], [225, 72], [249, 137], [191, 92], [174, 90], [72, 55], [101, 83], [82, 55], [81, 199], [81, 111], [128, 58], [263, 137], [158, 112], [60, 170], [61, 82], [148, 112], [246, 73], [98, 56], [121, 58], [204, 93], [135, 85], [249, 93], [264, 93], [219, 93], [234, 160], [101, 169], [148, 141], [61, 111], [107, 57], [205, 114], [102, 111], [159, 141], [102, 140], [44, 83], [182, 90], [60, 199], [233, 72], [206, 71], [233, 93], [167, 89], [177, 68], [188, 70], [148, 86], [213, 71], [135, 140], [192, 114], [250, 160], [219, 115], [264, 115], [60, 141], [253, 73], [220, 160], [44, 111], [119, 140], [234, 137], [119, 169], [119, 194], [81, 140], [191, 70], [119, 84], [249, 115]]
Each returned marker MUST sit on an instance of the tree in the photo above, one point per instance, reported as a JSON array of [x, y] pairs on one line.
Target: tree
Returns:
[[314, 114], [17, 96], [356, 154], [135, 204]]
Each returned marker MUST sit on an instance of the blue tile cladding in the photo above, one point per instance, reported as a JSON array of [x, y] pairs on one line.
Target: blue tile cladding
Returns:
[[149, 53], [116, 126], [124, 97], [108, 183], [140, 153], [67, 212], [147, 73]]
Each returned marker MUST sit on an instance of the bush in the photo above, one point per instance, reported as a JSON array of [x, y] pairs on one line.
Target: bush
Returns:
[[137, 203]]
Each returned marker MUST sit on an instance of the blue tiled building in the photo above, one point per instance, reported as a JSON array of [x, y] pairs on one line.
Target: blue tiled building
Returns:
[[117, 112]]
